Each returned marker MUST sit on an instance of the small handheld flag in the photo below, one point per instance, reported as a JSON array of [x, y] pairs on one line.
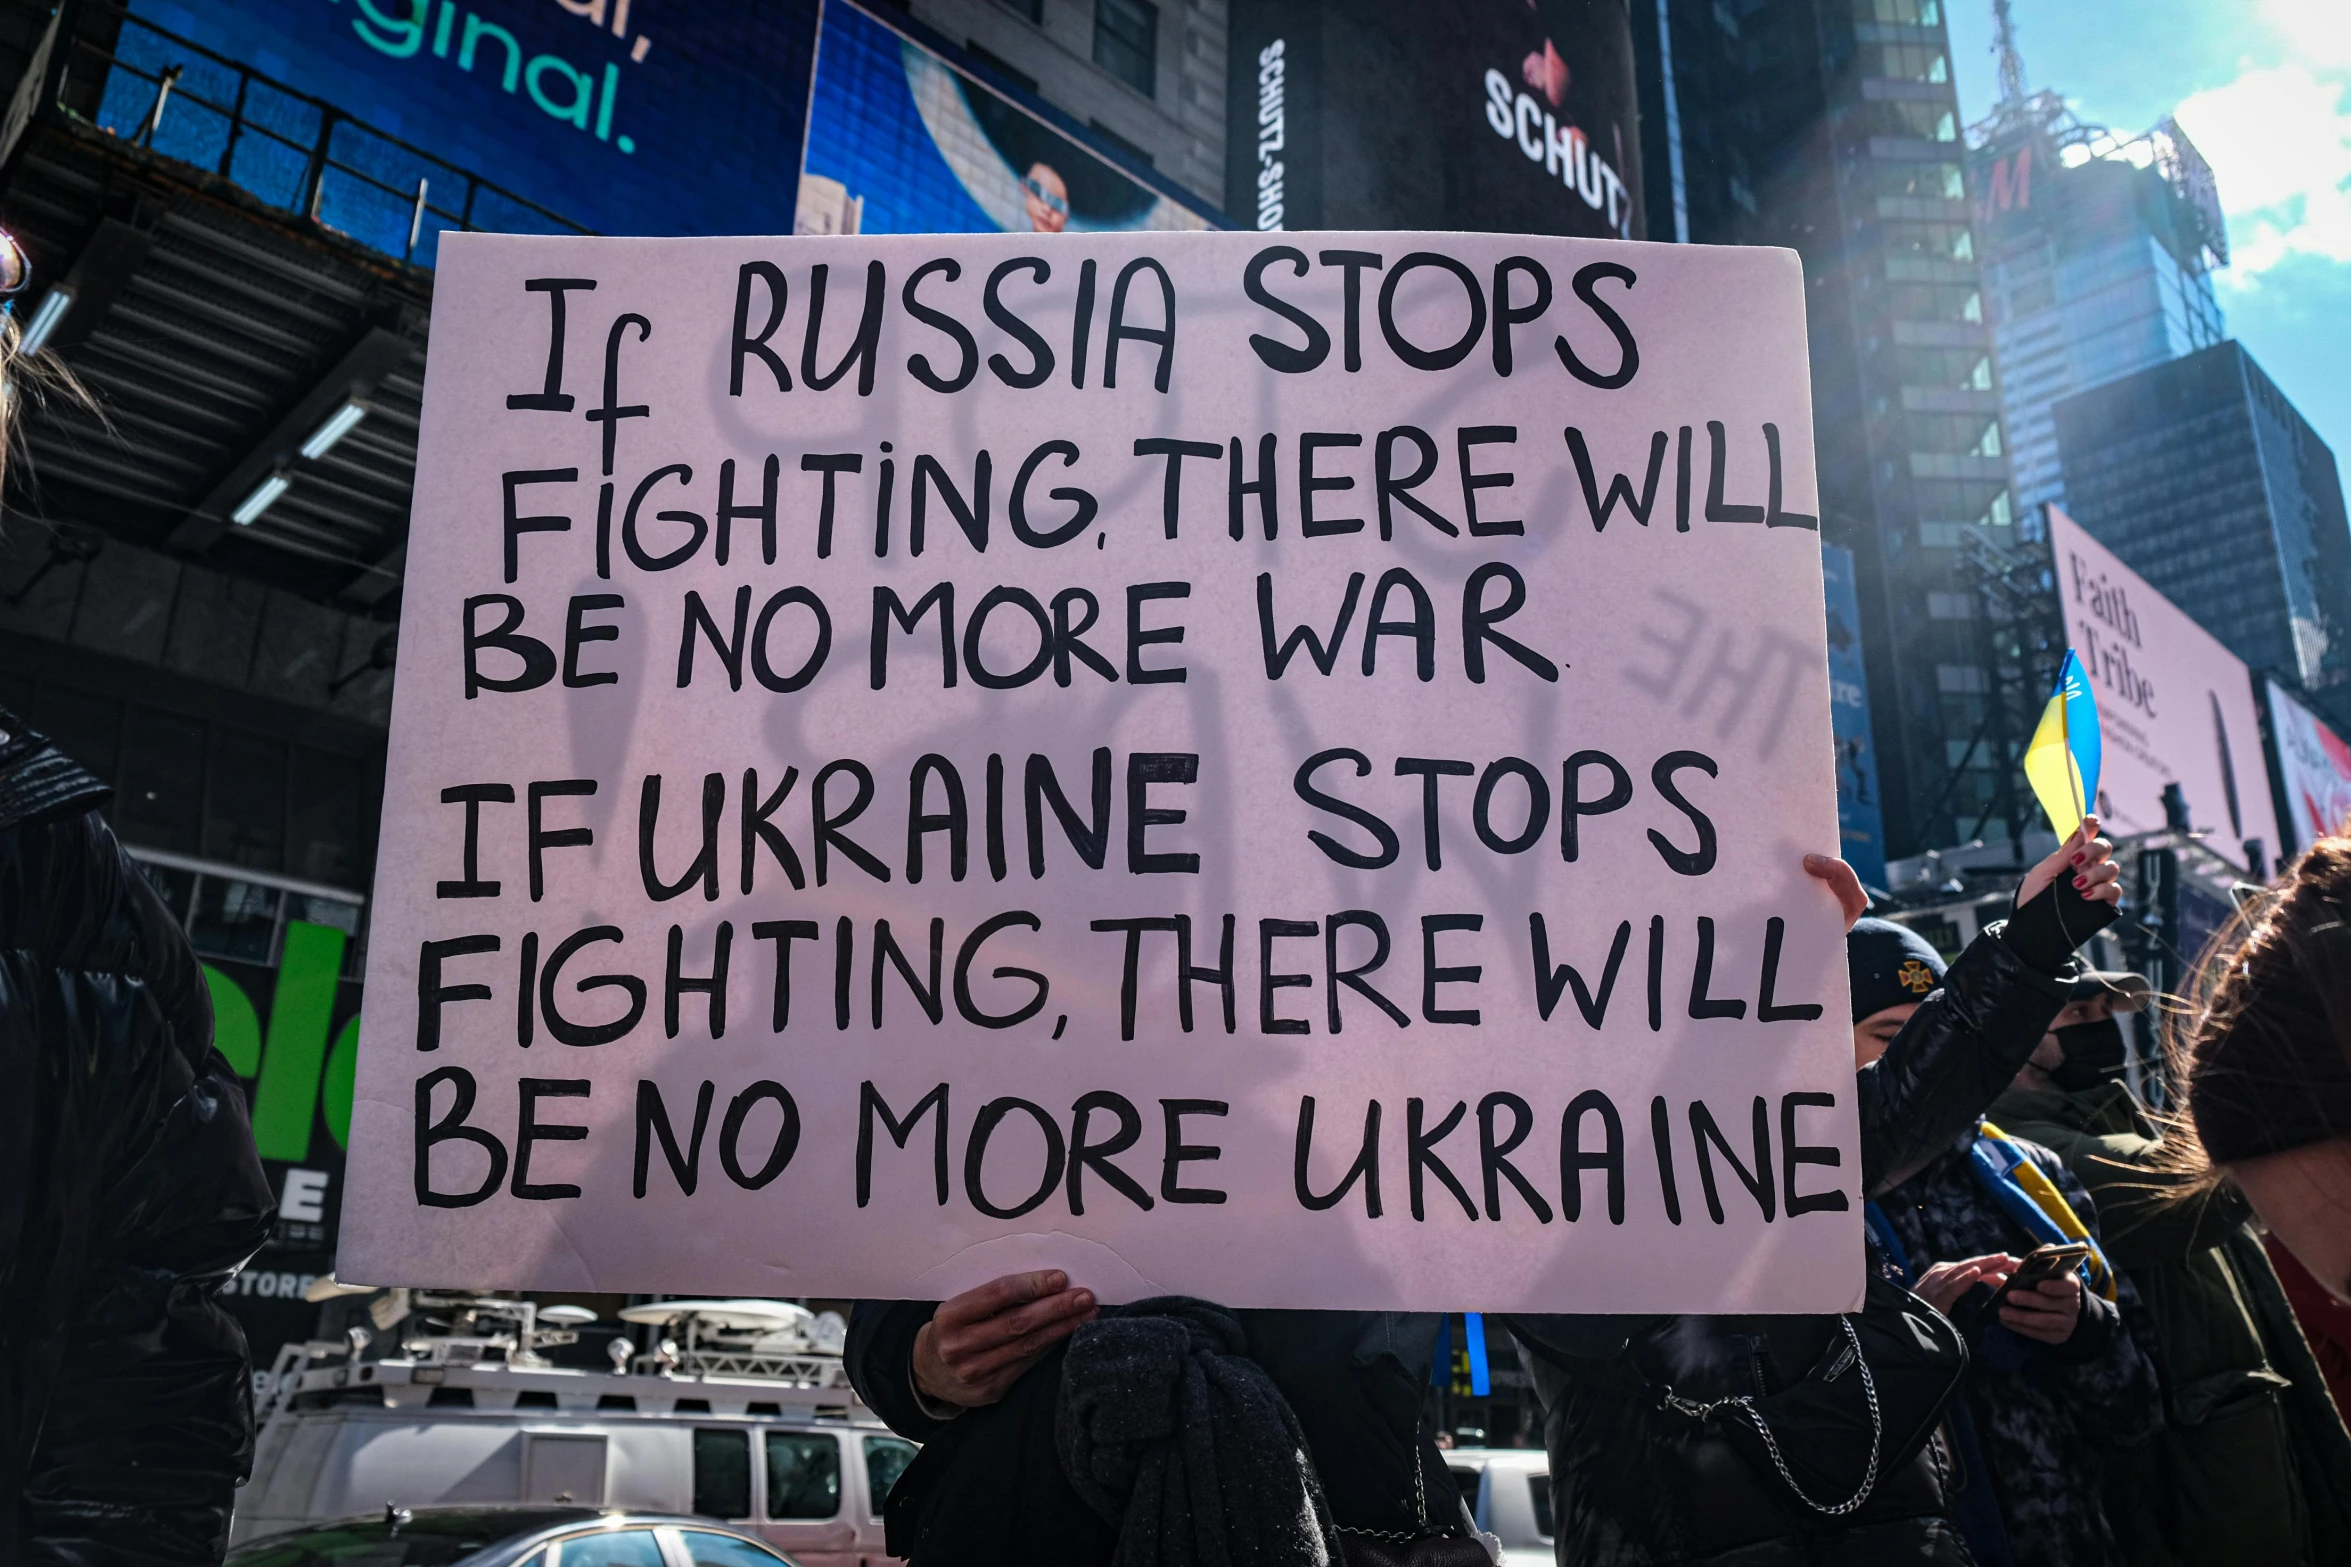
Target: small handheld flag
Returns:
[[2062, 761]]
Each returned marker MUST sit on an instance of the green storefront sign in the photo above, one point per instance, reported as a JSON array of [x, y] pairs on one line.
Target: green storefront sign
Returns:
[[298, 1077], [292, 1032]]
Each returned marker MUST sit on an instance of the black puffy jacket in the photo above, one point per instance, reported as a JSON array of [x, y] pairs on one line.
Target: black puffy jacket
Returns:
[[1616, 1494], [129, 1191]]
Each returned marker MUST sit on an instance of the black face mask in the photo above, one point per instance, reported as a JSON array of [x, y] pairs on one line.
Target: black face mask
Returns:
[[2095, 1054]]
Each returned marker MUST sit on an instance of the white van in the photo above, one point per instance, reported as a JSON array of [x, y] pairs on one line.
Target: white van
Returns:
[[1508, 1492], [796, 1460]]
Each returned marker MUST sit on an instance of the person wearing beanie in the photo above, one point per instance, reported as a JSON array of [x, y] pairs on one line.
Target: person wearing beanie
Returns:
[[2253, 1465], [2057, 1376], [1893, 969]]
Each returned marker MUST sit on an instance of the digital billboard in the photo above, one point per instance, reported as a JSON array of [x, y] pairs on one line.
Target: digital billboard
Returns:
[[622, 116], [1861, 827], [2174, 706], [2313, 771], [1497, 116], [900, 142]]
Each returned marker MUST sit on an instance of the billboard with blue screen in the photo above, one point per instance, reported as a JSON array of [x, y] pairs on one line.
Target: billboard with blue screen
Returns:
[[1860, 820], [620, 116], [613, 116], [900, 142]]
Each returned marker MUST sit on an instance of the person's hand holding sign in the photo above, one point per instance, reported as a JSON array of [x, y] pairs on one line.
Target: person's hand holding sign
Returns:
[[1840, 879], [979, 1343]]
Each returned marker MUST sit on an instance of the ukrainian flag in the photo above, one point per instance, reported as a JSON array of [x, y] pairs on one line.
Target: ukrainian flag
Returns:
[[2062, 761]]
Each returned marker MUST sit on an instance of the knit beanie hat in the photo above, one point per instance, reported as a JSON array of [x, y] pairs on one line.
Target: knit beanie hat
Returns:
[[1891, 965]]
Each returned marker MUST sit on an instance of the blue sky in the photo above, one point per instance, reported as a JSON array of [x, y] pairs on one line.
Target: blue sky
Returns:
[[2263, 87]]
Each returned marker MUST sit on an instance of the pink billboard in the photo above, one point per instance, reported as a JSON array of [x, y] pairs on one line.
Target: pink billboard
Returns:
[[2176, 707]]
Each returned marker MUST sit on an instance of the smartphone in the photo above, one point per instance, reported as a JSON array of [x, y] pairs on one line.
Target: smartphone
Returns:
[[2041, 1264]]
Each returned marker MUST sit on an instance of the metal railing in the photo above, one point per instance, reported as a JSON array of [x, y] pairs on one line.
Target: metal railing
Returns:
[[239, 914], [172, 96]]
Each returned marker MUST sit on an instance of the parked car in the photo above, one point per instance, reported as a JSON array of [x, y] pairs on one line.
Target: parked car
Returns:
[[1509, 1494], [510, 1537]]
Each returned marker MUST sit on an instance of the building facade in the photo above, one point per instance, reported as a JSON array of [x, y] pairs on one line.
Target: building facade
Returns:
[[2098, 262], [1832, 127], [2204, 479]]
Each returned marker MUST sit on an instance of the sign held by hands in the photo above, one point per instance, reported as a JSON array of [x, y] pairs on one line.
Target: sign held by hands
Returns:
[[1272, 771]]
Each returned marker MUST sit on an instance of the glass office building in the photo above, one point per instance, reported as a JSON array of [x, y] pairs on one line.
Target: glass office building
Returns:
[[2098, 262], [2208, 483], [1832, 127]]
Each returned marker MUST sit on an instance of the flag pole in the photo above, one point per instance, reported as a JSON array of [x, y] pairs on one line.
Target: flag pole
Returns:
[[2073, 767]]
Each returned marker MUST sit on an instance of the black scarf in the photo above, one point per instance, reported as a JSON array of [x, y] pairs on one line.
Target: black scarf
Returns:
[[1173, 1435]]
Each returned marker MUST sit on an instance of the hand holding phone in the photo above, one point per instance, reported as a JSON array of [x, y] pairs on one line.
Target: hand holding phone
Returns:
[[1943, 1285], [2042, 1300], [2040, 1265]]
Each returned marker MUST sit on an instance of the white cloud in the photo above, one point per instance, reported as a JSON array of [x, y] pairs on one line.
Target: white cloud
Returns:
[[2317, 31], [2279, 141]]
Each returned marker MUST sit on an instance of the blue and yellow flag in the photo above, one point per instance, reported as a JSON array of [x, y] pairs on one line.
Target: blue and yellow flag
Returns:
[[2062, 762]]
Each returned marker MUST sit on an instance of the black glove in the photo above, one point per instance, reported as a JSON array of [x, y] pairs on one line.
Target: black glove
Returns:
[[2045, 932]]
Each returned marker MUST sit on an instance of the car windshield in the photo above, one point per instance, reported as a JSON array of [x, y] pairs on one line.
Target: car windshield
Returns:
[[426, 1539]]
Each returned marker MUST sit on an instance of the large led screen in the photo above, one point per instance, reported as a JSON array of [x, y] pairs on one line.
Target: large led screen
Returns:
[[900, 142], [617, 116], [1498, 116]]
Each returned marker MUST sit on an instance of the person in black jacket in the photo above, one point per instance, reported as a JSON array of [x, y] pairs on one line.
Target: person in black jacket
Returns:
[[1635, 1485], [129, 1192], [2058, 1377], [977, 1380]]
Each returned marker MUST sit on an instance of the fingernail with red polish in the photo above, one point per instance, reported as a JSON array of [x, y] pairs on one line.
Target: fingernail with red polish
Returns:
[[2080, 859], [2083, 882]]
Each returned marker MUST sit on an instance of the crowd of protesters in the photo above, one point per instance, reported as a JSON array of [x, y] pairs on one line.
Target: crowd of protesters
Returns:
[[2147, 1393]]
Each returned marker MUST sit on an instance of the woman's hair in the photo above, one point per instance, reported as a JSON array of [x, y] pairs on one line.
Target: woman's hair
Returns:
[[27, 381], [2265, 1055], [16, 367]]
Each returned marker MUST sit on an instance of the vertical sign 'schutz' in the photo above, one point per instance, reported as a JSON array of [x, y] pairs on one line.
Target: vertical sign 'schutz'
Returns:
[[1270, 770]]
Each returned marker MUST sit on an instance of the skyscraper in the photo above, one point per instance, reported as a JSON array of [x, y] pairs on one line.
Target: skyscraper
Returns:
[[2209, 484], [1832, 127], [2098, 258]]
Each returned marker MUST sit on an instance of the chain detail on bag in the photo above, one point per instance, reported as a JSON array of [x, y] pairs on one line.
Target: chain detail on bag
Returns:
[[1420, 1510], [1746, 1406]]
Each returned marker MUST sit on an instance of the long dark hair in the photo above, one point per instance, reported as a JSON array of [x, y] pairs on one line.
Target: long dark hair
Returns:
[[2264, 1052]]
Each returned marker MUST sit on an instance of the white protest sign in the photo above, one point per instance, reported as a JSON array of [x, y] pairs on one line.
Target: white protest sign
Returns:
[[1269, 771]]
